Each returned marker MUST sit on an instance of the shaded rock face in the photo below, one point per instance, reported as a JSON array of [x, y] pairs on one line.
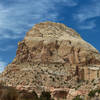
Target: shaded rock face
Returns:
[[46, 55]]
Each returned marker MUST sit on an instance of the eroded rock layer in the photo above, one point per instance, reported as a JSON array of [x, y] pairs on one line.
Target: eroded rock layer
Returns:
[[47, 56]]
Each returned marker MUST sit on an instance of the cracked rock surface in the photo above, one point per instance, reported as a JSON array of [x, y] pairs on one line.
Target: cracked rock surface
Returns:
[[46, 56]]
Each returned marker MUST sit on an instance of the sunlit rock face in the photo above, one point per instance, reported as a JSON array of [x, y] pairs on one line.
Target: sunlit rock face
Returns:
[[55, 43], [46, 56]]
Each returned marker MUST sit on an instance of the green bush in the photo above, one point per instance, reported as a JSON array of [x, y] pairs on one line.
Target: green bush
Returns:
[[10, 93], [92, 92], [45, 96], [35, 95], [77, 98], [24, 95], [98, 90]]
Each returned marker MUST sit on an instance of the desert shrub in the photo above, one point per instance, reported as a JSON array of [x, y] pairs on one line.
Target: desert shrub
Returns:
[[24, 95], [78, 98], [78, 86], [87, 81], [94, 84], [9, 93], [98, 90], [92, 81], [45, 96], [92, 93], [35, 95], [2, 83], [69, 86]]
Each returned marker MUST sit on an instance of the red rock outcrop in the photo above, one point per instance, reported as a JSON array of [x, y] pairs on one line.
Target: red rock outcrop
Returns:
[[47, 55]]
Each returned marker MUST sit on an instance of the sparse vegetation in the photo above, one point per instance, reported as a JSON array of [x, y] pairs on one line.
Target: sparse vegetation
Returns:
[[9, 93], [93, 92], [87, 81], [92, 81], [78, 98], [78, 86], [69, 86], [45, 96]]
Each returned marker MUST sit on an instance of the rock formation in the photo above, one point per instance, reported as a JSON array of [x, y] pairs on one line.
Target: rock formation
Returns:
[[47, 57]]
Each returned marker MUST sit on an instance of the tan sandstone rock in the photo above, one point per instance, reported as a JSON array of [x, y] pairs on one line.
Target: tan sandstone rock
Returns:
[[46, 55]]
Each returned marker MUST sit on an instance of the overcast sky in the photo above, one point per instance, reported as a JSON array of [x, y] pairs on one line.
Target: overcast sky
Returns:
[[18, 16]]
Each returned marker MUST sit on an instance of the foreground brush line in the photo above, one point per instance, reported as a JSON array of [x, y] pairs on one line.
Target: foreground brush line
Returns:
[[10, 93]]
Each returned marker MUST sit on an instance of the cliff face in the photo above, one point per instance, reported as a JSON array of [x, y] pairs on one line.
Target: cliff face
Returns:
[[55, 43], [46, 55]]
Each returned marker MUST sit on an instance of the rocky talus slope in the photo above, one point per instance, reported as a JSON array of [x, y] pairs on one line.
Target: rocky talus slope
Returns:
[[47, 55]]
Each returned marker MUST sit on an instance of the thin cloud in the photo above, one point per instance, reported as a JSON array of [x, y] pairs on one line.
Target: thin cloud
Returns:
[[7, 48], [69, 3], [88, 25], [20, 15], [92, 12], [88, 13]]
